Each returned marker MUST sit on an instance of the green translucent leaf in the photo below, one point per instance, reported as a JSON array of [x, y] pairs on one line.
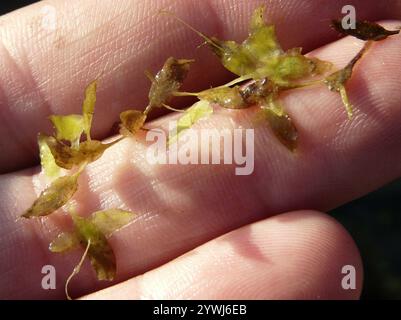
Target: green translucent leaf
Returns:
[[65, 241], [68, 128], [235, 57], [365, 30], [49, 166], [244, 59], [261, 56], [111, 220], [199, 110], [88, 107], [293, 67], [262, 41], [258, 57], [290, 66], [54, 197], [131, 122], [100, 253]]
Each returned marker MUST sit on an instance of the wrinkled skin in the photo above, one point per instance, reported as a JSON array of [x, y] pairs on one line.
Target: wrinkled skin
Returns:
[[251, 226]]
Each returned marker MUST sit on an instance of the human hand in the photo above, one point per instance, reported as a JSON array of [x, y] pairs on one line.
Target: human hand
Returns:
[[244, 224]]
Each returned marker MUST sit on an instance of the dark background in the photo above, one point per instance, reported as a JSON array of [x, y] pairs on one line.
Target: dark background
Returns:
[[9, 5], [374, 221]]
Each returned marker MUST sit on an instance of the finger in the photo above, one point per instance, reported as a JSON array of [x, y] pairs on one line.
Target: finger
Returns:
[[297, 255], [182, 206], [50, 51]]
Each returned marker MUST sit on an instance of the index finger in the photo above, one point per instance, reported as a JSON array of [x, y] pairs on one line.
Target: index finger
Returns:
[[51, 50]]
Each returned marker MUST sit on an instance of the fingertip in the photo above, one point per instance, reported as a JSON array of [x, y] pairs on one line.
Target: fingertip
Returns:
[[327, 263], [296, 255]]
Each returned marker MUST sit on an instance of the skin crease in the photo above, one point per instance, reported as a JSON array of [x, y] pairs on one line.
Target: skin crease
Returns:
[[183, 207]]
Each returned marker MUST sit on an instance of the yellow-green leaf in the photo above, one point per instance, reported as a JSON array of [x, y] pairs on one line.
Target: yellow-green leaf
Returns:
[[49, 166], [262, 40], [244, 59], [199, 110], [109, 221], [68, 128], [65, 241], [88, 107], [54, 197]]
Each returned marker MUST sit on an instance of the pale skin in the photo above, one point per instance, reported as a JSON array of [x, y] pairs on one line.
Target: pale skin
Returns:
[[202, 232]]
